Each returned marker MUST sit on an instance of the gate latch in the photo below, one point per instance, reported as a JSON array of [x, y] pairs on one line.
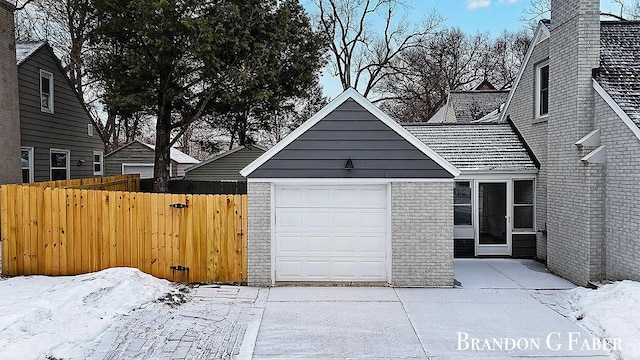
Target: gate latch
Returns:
[[179, 268], [179, 206]]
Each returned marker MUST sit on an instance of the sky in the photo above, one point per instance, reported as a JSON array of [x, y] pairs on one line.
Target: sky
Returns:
[[471, 16]]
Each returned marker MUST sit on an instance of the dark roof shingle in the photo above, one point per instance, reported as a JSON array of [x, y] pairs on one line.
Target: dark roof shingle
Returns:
[[473, 105], [476, 147], [619, 72]]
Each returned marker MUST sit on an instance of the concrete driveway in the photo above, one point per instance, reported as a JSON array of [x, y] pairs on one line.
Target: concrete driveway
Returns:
[[492, 314]]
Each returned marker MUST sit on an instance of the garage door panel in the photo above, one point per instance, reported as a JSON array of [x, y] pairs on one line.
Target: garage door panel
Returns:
[[289, 197], [331, 233]]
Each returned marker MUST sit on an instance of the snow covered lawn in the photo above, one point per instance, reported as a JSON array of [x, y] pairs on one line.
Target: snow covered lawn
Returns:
[[44, 317], [612, 311]]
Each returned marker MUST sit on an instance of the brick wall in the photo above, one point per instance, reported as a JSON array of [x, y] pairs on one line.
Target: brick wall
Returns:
[[259, 234], [422, 234], [522, 113], [572, 188], [622, 244], [9, 109]]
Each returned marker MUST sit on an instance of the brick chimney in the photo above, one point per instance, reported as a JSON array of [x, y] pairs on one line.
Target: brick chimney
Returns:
[[575, 190], [10, 168]]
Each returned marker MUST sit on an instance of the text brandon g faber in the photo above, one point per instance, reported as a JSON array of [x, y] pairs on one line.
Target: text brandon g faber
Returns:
[[554, 341]]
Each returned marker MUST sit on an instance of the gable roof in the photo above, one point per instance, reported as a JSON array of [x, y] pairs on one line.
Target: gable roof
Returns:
[[224, 154], [619, 72], [477, 147], [25, 49], [542, 33], [473, 105], [175, 154], [367, 105]]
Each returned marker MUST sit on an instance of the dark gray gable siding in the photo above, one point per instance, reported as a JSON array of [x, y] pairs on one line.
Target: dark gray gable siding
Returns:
[[133, 153], [66, 129], [350, 131], [227, 167]]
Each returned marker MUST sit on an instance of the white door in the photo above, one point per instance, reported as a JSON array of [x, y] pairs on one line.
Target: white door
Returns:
[[145, 170], [331, 233]]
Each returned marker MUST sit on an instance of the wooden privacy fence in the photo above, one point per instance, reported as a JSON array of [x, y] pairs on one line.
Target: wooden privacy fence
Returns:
[[130, 182], [63, 231]]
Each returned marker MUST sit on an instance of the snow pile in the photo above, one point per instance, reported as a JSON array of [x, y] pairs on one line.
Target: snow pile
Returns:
[[612, 311], [45, 316]]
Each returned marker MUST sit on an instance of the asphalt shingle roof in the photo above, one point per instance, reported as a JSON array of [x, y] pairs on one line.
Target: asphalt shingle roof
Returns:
[[619, 72], [473, 105], [476, 147]]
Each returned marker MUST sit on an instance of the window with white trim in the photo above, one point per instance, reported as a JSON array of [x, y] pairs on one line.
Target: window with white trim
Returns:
[[523, 198], [46, 91], [462, 203], [542, 89], [26, 158], [59, 164], [98, 162], [90, 129]]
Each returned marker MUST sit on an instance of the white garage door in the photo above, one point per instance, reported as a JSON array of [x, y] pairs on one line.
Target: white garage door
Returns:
[[331, 233], [145, 170]]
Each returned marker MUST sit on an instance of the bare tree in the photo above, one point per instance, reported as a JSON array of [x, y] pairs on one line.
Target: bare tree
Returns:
[[538, 9], [362, 54]]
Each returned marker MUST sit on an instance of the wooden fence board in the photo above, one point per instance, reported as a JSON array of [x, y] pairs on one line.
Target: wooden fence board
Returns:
[[66, 231]]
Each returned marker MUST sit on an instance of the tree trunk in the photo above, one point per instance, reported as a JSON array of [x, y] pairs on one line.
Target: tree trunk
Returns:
[[162, 161]]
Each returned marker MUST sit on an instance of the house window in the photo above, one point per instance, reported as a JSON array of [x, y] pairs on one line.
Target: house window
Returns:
[[90, 129], [462, 203], [46, 91], [542, 89], [26, 158], [60, 160], [523, 197], [98, 160]]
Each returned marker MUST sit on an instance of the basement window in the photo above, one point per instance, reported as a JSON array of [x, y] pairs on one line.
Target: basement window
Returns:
[[542, 89]]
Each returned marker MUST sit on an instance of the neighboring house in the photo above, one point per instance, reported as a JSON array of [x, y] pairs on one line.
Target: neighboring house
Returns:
[[57, 138], [225, 166], [138, 157], [468, 106], [583, 125]]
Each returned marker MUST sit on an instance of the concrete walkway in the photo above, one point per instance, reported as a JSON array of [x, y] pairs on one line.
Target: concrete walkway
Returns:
[[492, 314]]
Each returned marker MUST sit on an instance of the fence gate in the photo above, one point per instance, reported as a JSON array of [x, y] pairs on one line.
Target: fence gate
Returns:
[[65, 231]]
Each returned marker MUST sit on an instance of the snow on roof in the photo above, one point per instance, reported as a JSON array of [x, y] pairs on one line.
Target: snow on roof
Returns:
[[176, 155], [25, 49], [619, 71], [476, 147], [473, 105]]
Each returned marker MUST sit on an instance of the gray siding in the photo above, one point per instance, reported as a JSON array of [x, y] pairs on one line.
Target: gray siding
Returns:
[[65, 129], [227, 167], [622, 209], [534, 131], [350, 131], [133, 153]]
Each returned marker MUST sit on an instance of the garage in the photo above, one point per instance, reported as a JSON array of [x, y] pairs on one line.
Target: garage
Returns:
[[331, 233], [145, 170], [350, 196]]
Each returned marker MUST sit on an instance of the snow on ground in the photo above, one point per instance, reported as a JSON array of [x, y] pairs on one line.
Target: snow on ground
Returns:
[[44, 317], [612, 311]]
